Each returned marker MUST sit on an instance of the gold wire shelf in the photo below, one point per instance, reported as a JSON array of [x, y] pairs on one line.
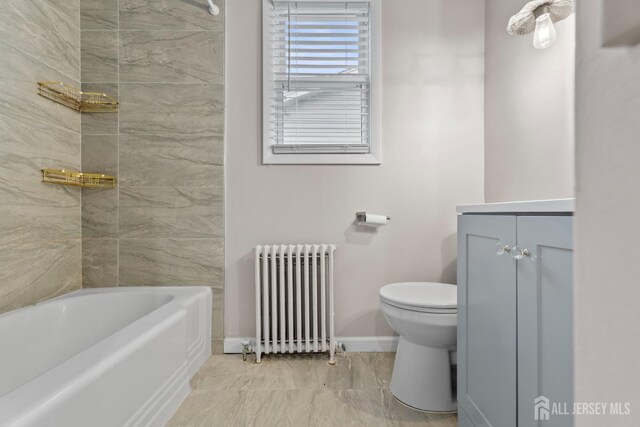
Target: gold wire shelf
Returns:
[[78, 179], [69, 96]]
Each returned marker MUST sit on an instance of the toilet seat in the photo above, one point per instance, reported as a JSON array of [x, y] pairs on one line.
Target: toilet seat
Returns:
[[422, 297]]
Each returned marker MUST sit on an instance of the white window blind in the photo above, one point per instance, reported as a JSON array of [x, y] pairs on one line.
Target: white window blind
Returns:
[[321, 77]]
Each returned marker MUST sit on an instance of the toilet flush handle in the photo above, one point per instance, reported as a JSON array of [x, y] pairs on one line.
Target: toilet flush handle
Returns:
[[501, 249]]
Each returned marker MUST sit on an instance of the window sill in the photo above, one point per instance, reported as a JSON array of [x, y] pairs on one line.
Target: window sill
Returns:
[[269, 158]]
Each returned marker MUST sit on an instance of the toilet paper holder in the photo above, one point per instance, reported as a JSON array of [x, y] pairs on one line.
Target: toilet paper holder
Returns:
[[361, 217]]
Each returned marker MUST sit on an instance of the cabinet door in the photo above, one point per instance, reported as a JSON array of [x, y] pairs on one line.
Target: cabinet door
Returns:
[[486, 321], [545, 317]]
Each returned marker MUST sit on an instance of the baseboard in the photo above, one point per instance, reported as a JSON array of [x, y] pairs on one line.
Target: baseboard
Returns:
[[234, 345], [369, 344], [351, 344]]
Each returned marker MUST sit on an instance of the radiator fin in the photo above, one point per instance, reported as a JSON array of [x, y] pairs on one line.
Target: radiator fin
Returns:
[[294, 299]]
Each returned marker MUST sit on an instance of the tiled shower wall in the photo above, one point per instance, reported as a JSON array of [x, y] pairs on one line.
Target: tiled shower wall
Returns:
[[163, 225], [40, 246]]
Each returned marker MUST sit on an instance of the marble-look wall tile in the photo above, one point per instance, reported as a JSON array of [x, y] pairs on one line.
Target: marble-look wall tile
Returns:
[[165, 219], [171, 56], [177, 262], [44, 32], [169, 109], [100, 123], [217, 315], [20, 100], [100, 206], [99, 262], [99, 213], [35, 211], [169, 15], [100, 154], [68, 8], [30, 210], [99, 14], [40, 246], [19, 65], [181, 212], [182, 160], [99, 56], [27, 145], [32, 272]]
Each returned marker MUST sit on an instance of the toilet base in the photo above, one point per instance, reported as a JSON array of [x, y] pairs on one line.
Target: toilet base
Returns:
[[421, 378]]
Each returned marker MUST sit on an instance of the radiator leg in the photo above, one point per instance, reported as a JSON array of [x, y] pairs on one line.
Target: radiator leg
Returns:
[[257, 351], [339, 348]]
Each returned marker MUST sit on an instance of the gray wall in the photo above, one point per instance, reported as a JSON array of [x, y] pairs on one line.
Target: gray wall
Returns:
[[607, 273], [432, 53], [164, 223], [40, 246], [529, 104]]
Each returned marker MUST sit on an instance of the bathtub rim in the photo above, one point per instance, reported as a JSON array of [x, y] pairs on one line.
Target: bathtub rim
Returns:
[[88, 364]]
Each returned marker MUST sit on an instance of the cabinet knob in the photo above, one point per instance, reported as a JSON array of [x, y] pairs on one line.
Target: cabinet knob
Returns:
[[519, 253], [502, 248]]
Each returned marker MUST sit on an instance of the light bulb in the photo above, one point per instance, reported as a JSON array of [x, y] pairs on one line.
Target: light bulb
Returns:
[[545, 33]]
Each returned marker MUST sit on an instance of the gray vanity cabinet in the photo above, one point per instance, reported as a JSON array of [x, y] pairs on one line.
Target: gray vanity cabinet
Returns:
[[486, 321], [514, 318], [545, 344]]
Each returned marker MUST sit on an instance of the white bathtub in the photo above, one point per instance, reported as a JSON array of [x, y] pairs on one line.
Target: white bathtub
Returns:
[[103, 357]]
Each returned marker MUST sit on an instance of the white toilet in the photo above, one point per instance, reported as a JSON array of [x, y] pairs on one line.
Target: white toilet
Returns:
[[425, 317]]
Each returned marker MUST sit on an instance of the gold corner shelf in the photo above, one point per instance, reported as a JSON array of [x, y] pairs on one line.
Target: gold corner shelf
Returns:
[[78, 179], [85, 102]]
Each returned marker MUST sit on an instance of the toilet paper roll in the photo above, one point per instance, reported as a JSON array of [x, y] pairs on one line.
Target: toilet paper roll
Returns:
[[373, 219]]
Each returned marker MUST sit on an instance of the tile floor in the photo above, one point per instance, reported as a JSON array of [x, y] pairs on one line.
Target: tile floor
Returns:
[[299, 390]]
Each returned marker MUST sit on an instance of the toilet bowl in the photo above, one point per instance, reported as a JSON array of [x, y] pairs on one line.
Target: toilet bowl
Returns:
[[424, 315]]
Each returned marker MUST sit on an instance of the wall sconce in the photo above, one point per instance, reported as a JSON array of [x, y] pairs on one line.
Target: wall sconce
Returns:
[[538, 16]]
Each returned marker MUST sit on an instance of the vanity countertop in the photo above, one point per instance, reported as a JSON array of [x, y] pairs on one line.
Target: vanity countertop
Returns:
[[529, 206]]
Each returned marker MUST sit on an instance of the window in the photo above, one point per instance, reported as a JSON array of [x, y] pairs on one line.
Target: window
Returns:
[[321, 83]]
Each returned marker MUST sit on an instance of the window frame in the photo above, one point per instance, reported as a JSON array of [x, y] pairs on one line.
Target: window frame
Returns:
[[374, 156]]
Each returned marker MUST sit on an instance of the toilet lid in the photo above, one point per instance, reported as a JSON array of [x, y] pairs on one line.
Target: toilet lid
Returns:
[[421, 294]]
